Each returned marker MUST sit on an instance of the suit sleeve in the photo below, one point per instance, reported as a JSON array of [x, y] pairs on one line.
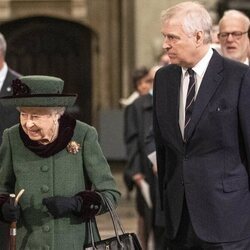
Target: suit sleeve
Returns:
[[150, 142], [244, 115], [131, 139], [97, 167], [7, 176], [160, 149]]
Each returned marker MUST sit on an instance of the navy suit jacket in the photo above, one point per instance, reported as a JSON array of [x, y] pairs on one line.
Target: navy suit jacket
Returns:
[[212, 167]]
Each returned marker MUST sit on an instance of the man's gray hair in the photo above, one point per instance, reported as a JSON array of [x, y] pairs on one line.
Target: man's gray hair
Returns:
[[3, 45], [236, 14], [195, 18]]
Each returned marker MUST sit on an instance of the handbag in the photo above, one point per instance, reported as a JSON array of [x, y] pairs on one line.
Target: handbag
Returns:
[[123, 241]]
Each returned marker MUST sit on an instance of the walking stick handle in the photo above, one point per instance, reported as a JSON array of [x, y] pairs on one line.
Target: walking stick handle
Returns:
[[18, 196]]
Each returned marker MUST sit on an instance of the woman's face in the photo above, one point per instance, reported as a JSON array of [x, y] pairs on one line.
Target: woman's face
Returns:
[[39, 123]]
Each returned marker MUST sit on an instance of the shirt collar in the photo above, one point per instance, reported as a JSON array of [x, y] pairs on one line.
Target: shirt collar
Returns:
[[247, 62], [201, 66]]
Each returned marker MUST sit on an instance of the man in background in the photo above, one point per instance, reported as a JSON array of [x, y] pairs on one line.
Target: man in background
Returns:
[[138, 172], [9, 117], [234, 35]]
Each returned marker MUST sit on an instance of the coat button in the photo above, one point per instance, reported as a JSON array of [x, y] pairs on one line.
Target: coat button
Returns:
[[45, 188], [44, 168], [46, 228]]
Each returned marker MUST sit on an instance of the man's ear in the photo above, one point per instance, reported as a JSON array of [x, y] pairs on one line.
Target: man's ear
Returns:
[[199, 38]]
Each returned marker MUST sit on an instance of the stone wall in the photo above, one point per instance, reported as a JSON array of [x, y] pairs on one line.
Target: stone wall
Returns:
[[126, 35]]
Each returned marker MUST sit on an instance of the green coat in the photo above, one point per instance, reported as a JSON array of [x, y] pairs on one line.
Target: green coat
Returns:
[[61, 174]]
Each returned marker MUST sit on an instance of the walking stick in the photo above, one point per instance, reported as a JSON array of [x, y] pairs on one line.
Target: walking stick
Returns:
[[14, 200]]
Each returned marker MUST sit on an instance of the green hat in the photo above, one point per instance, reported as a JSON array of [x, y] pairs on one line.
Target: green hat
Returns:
[[38, 91]]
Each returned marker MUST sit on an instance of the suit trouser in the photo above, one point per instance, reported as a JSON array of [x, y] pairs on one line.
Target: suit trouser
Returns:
[[187, 239]]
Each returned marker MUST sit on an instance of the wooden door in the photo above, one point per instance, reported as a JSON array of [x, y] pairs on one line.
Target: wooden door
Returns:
[[50, 46]]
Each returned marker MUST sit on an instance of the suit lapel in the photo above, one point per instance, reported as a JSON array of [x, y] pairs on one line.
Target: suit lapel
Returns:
[[6, 88], [209, 84]]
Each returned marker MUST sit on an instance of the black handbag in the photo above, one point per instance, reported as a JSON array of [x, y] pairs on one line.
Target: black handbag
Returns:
[[123, 241]]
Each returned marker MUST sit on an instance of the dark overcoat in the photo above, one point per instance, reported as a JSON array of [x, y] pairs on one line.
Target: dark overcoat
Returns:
[[138, 120]]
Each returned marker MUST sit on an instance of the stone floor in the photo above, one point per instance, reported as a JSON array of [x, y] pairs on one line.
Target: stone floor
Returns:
[[126, 208]]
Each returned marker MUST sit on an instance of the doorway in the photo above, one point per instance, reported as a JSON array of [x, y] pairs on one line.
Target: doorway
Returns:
[[50, 46]]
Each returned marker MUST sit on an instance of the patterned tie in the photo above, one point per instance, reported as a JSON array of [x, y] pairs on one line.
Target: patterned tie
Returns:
[[189, 101]]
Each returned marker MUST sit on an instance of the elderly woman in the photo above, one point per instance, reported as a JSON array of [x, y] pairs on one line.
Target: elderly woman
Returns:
[[56, 159]]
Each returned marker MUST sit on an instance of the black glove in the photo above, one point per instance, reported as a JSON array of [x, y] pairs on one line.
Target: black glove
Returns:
[[92, 203], [10, 212], [60, 206]]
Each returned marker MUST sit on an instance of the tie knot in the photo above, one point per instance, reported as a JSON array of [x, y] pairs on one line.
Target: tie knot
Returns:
[[190, 72]]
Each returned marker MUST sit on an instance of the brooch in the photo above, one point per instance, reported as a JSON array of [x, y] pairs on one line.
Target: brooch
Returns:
[[73, 147], [20, 88]]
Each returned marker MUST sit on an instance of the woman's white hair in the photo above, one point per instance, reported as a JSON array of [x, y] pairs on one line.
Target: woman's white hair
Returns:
[[195, 18], [58, 110]]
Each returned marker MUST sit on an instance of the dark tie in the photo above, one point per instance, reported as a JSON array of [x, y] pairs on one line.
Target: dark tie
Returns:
[[189, 101]]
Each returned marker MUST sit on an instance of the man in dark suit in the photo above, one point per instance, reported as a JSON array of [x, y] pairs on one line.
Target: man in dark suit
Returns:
[[138, 172], [202, 134], [9, 117]]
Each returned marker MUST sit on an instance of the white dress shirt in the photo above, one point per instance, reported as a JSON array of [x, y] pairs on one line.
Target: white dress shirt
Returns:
[[3, 73], [247, 62], [199, 69]]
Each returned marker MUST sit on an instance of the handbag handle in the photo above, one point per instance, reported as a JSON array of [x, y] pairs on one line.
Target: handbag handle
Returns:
[[115, 215], [115, 221]]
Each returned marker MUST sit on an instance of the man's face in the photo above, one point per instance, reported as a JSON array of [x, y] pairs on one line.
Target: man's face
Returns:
[[233, 46], [181, 48]]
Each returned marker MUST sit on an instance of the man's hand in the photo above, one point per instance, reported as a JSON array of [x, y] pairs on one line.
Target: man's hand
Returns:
[[137, 179]]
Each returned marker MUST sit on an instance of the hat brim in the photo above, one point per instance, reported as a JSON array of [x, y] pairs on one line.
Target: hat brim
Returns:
[[39, 100]]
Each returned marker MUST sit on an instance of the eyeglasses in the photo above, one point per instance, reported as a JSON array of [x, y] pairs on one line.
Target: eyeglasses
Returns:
[[236, 35]]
